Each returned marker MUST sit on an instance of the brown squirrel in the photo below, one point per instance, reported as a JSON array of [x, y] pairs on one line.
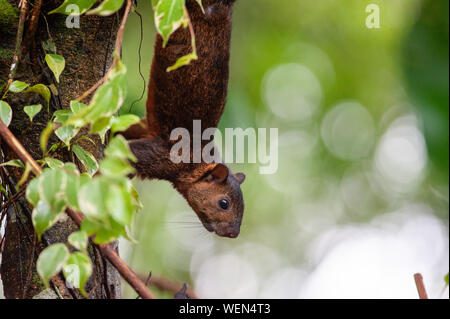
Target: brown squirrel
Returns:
[[177, 98]]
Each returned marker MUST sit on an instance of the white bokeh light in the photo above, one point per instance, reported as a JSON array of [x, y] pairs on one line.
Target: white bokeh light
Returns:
[[379, 260], [226, 276], [401, 155], [292, 92], [357, 191], [294, 147], [314, 58], [284, 283], [348, 131]]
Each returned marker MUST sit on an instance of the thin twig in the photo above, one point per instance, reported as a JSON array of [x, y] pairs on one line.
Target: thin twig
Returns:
[[19, 36], [117, 51], [191, 31], [420, 286], [106, 249], [139, 61], [92, 291], [21, 152], [10, 200], [169, 285]]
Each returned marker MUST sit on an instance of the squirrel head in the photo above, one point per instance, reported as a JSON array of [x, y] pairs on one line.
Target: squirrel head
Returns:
[[216, 198]]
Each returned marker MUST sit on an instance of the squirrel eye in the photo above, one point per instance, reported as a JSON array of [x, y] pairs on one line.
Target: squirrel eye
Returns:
[[223, 203]]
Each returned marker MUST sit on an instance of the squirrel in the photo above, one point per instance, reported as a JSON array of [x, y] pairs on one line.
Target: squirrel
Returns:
[[177, 98]]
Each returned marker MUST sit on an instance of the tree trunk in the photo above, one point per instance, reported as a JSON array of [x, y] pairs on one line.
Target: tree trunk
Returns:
[[88, 54]]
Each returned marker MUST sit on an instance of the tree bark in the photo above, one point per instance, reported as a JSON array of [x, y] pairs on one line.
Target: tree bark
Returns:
[[88, 54]]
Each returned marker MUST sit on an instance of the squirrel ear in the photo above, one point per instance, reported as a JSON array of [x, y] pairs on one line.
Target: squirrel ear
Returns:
[[218, 174], [240, 177]]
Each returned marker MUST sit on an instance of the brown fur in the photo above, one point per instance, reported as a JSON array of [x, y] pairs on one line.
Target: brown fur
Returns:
[[194, 92], [197, 91]]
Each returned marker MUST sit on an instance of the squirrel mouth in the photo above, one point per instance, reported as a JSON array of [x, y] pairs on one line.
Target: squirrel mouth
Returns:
[[208, 227], [229, 231]]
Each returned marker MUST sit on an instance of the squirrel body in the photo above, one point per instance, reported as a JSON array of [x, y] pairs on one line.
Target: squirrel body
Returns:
[[177, 98]]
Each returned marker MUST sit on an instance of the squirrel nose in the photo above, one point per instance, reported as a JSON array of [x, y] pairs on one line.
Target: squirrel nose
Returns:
[[233, 231]]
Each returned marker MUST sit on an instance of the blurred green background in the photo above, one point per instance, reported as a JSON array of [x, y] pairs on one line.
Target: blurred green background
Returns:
[[360, 199]]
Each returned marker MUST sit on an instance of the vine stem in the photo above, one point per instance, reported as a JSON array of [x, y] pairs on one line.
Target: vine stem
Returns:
[[107, 251], [191, 31], [19, 36], [117, 52]]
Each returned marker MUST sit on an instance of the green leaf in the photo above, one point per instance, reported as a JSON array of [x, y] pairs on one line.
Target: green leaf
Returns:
[[5, 113], [44, 216], [74, 183], [79, 240], [62, 116], [104, 232], [3, 190], [116, 167], [77, 270], [42, 90], [66, 133], [88, 160], [32, 110], [51, 261], [120, 205], [201, 5], [83, 6], [52, 184], [49, 46], [17, 86], [32, 192], [14, 163], [446, 279], [102, 135], [24, 176], [129, 236], [169, 16], [71, 168], [118, 147], [76, 106], [123, 122], [56, 63], [54, 147], [91, 199], [106, 101], [53, 162], [85, 138], [100, 125], [109, 97], [45, 135], [183, 61], [107, 7], [135, 195]]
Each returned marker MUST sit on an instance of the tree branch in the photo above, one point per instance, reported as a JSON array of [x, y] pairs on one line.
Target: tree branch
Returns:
[[420, 286], [117, 52], [19, 36], [169, 285], [125, 271]]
